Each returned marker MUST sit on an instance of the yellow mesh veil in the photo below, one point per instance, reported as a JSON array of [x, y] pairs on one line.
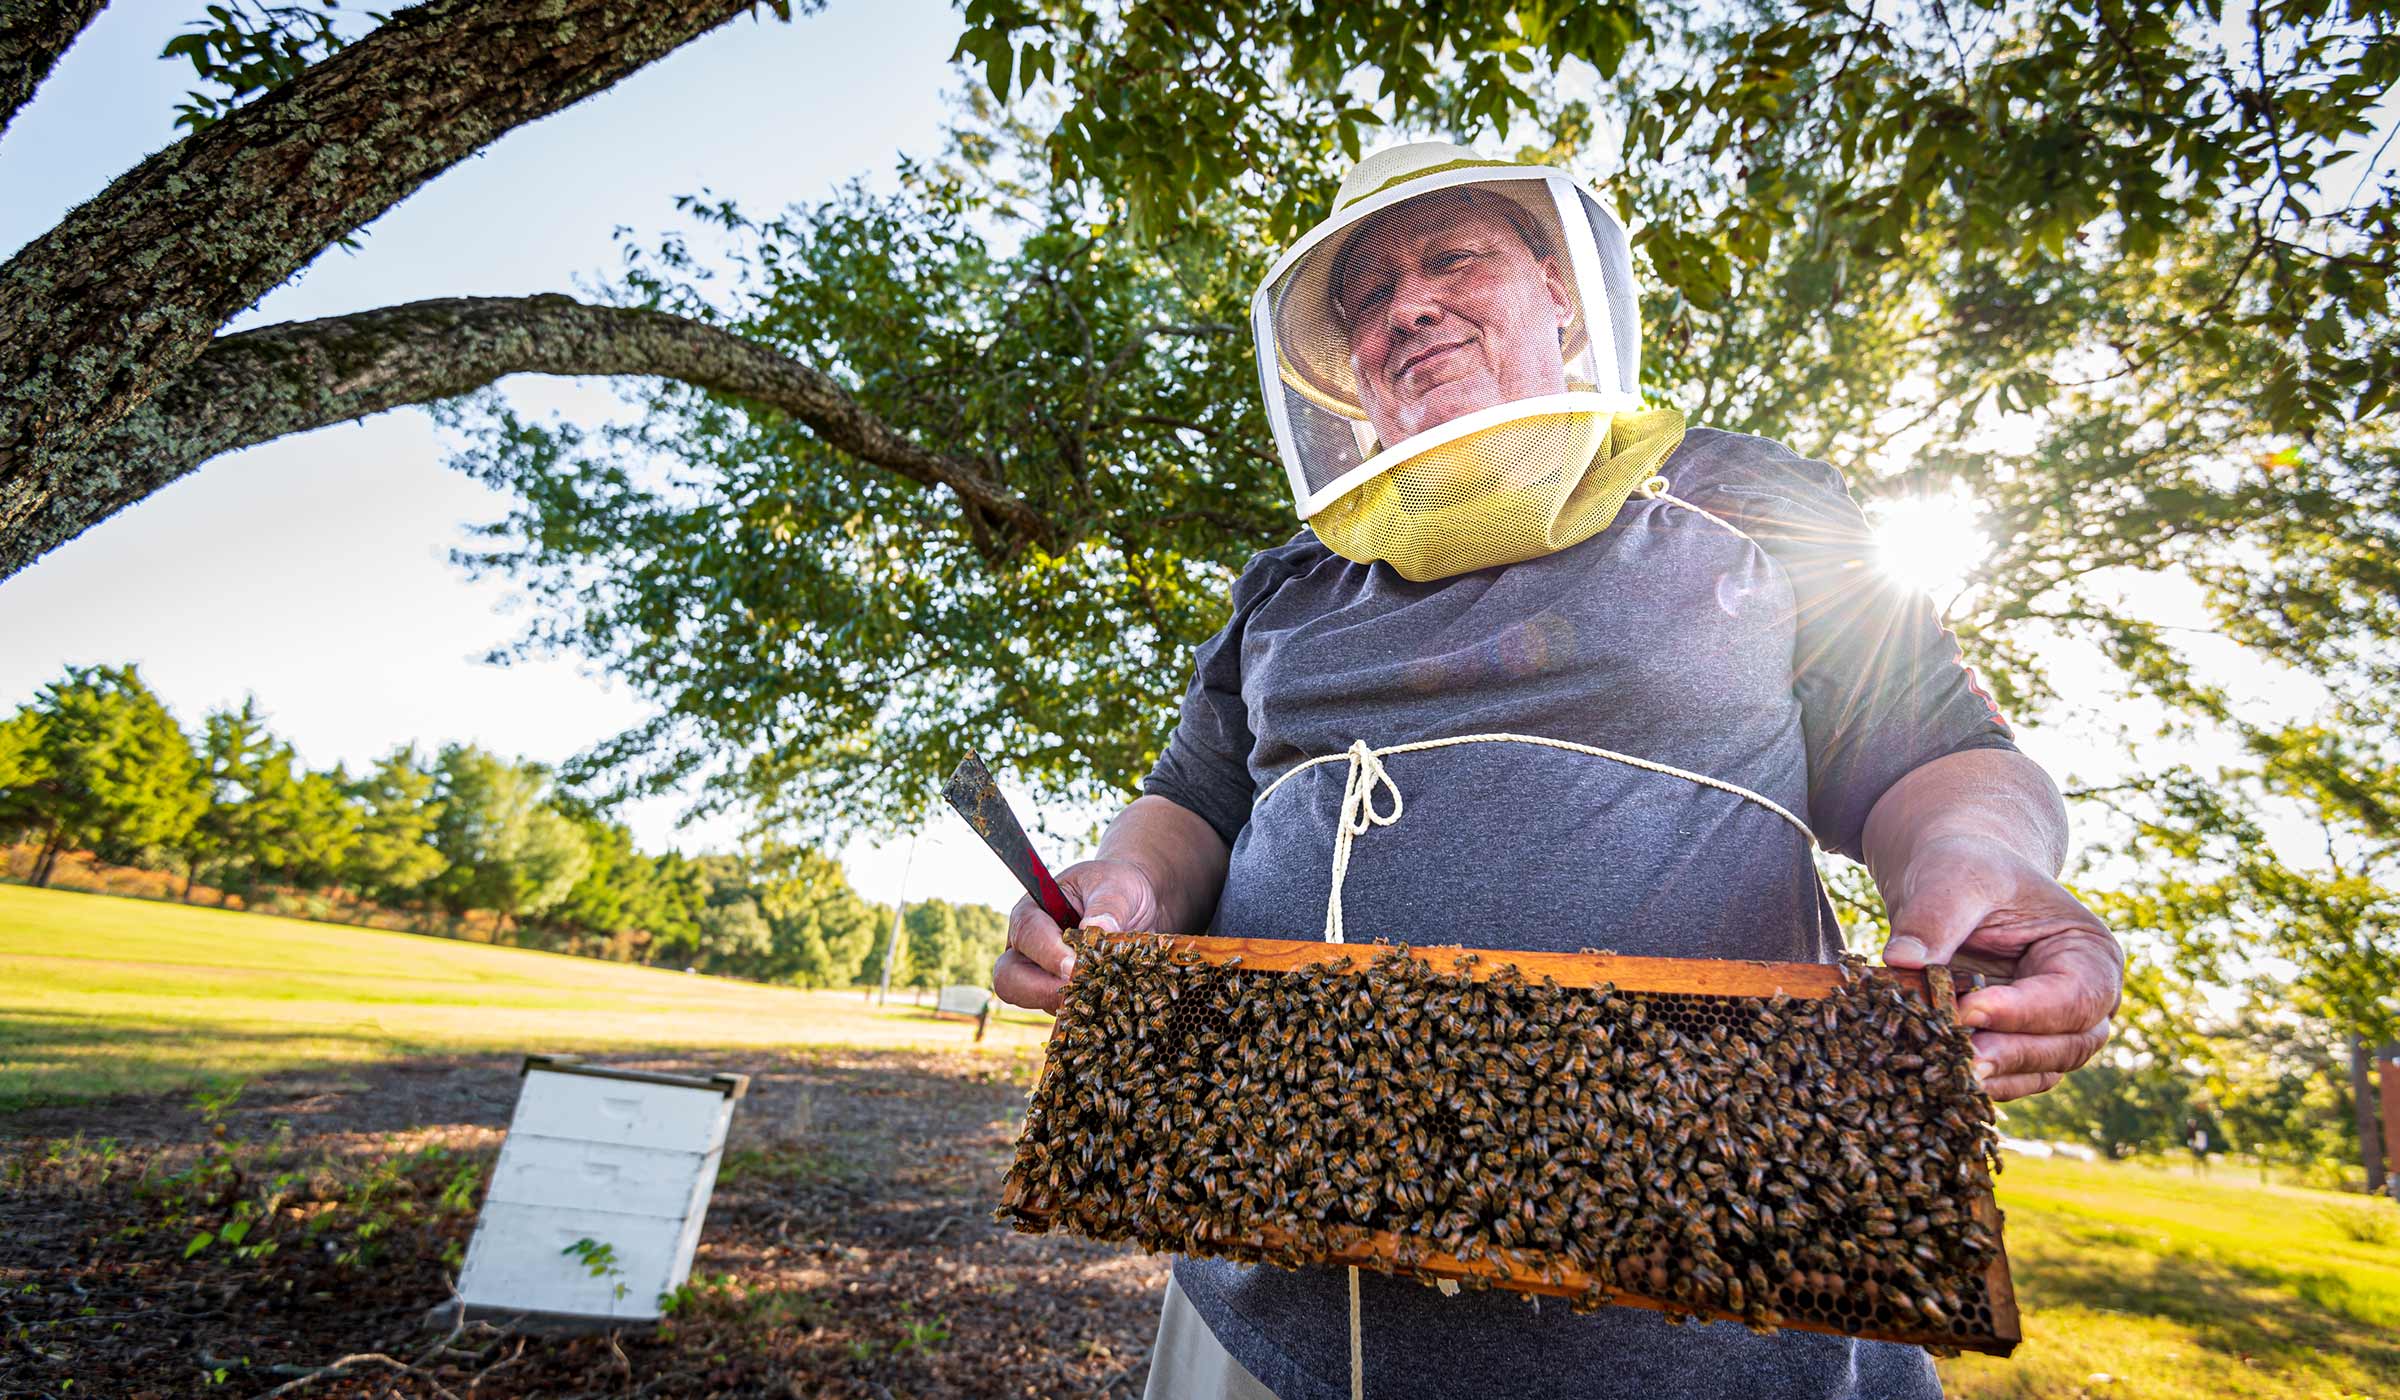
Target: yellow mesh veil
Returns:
[[1501, 495]]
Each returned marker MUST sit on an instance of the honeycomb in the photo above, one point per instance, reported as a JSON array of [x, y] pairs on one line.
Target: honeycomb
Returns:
[[1814, 1162]]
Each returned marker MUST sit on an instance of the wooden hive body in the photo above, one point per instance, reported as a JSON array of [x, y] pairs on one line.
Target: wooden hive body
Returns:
[[615, 1158], [1586, 1126]]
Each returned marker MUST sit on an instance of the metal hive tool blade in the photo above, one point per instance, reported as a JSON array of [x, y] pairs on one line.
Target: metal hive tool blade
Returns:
[[974, 794]]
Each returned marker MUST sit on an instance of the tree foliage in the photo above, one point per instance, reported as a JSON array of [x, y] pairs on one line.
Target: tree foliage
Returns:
[[248, 778], [469, 832], [246, 48], [2014, 132], [930, 943], [394, 853], [2317, 899], [97, 761], [823, 928], [507, 848], [2267, 1082], [1840, 247], [821, 641]]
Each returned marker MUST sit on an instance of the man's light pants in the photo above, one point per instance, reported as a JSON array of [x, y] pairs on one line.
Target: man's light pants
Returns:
[[1188, 1363]]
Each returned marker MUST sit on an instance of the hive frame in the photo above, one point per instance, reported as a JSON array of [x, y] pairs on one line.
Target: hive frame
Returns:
[[1029, 1209]]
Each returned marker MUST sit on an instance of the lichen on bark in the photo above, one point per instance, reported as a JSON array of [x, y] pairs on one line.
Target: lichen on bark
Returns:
[[132, 287]]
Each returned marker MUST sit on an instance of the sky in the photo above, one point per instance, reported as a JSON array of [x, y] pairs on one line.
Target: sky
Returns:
[[314, 572]]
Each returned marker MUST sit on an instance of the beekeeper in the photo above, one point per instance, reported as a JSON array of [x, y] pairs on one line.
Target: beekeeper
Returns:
[[1548, 670]]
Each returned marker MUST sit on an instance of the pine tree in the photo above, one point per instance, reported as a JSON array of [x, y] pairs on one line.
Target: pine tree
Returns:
[[932, 939], [98, 761], [509, 851], [248, 778], [394, 855]]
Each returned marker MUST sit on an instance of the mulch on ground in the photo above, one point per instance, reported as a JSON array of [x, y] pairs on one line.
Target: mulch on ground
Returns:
[[849, 1251]]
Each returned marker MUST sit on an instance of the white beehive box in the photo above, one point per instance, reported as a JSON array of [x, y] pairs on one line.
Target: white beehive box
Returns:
[[622, 1158]]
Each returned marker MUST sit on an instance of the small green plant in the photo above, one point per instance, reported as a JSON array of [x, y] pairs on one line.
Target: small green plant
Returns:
[[213, 1104], [923, 1337], [598, 1257], [234, 1236], [692, 1292], [458, 1196], [919, 1336], [240, 1199], [74, 1154]]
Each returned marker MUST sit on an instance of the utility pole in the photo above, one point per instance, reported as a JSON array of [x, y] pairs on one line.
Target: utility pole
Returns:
[[891, 950]]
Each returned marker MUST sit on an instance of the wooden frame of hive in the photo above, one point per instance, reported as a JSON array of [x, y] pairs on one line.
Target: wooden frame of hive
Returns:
[[1032, 1208]]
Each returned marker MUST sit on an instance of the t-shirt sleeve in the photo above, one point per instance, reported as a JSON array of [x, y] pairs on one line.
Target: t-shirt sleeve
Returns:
[[1206, 764], [1882, 686]]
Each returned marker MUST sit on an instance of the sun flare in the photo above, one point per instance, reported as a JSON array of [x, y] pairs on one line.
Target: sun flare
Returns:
[[1930, 541]]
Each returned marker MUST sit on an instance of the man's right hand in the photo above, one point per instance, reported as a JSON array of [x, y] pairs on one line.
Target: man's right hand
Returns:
[[1113, 895]]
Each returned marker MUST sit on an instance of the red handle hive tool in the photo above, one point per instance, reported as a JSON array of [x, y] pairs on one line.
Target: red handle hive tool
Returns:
[[977, 798]]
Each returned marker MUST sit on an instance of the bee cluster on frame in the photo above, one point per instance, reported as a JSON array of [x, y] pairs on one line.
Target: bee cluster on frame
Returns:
[[1820, 1160]]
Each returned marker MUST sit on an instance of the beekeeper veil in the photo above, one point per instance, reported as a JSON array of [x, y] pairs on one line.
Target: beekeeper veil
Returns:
[[1451, 364]]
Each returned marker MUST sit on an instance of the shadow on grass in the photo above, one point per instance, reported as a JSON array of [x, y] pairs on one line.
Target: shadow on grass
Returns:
[[58, 1058], [52, 1058], [62, 1074], [22, 1028], [2256, 1314]]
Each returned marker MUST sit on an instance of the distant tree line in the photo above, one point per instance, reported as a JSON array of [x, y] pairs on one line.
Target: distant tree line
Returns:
[[2261, 1081], [96, 762]]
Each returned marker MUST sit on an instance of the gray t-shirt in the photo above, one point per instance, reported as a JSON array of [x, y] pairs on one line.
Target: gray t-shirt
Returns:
[[1750, 640]]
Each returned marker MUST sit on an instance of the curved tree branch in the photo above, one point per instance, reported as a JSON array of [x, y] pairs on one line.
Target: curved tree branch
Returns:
[[132, 286], [278, 380], [33, 36]]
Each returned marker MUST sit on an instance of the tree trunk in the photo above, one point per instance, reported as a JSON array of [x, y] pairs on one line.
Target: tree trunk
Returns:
[[2362, 1098], [2387, 1070], [131, 287], [278, 380], [46, 864], [33, 37]]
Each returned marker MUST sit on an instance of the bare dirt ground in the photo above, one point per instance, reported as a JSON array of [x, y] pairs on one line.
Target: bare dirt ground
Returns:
[[849, 1251]]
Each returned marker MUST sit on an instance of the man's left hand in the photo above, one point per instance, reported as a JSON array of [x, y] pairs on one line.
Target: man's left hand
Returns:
[[1967, 892]]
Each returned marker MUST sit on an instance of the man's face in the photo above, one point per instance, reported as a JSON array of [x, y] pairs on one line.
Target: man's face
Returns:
[[1449, 311]]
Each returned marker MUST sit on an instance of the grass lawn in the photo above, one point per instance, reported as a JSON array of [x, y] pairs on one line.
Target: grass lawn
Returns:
[[2138, 1281], [103, 996]]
